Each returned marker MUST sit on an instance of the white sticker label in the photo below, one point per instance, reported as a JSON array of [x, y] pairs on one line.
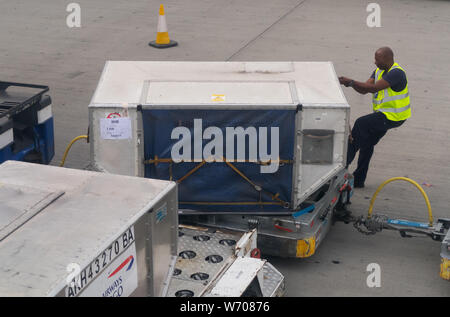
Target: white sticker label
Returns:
[[115, 128], [112, 274]]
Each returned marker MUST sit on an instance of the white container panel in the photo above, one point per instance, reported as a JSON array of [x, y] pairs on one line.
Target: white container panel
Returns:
[[118, 151], [309, 177], [199, 93]]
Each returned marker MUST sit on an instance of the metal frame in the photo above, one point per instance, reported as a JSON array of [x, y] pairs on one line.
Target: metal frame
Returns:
[[16, 107], [281, 242]]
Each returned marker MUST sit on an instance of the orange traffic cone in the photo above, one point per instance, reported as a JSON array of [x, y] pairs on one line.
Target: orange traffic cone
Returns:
[[162, 37]]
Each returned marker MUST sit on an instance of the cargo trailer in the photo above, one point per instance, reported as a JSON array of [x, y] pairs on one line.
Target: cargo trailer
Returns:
[[66, 232], [251, 144]]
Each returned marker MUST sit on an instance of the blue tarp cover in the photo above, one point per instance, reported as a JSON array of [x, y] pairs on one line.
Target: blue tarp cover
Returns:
[[216, 181]]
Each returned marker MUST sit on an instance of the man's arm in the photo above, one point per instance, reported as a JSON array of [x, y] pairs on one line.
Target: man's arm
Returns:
[[363, 88]]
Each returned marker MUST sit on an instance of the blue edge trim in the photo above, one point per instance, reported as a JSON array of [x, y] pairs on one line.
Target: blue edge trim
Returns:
[[303, 211], [407, 223]]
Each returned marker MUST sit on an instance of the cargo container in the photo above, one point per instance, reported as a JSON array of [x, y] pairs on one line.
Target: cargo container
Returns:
[[250, 144]]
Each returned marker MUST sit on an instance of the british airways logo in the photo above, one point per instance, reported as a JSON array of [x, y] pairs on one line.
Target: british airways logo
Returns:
[[129, 261], [116, 289]]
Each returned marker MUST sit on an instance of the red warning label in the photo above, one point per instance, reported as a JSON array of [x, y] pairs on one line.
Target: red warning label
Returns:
[[113, 115]]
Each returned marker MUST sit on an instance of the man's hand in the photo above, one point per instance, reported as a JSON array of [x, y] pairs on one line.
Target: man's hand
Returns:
[[364, 88], [344, 81]]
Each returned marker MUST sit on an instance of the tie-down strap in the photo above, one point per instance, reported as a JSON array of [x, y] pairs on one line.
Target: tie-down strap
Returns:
[[275, 197]]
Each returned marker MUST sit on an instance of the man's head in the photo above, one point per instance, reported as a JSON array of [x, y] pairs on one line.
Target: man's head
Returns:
[[384, 58]]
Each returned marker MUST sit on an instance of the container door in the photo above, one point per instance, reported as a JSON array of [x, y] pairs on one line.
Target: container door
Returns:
[[322, 146]]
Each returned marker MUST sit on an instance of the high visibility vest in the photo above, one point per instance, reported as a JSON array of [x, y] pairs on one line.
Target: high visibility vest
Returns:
[[395, 105]]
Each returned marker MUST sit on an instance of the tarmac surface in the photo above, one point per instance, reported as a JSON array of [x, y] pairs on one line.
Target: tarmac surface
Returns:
[[37, 46]]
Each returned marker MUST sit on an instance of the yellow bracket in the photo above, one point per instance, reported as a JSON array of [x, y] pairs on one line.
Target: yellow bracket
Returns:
[[445, 269], [372, 201], [192, 171], [306, 247]]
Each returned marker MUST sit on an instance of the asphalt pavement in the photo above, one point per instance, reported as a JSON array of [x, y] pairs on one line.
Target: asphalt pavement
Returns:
[[37, 46]]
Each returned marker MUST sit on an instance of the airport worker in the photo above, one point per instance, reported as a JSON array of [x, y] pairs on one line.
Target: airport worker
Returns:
[[391, 108]]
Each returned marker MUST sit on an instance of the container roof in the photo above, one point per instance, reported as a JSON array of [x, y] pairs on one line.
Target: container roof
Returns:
[[258, 83]]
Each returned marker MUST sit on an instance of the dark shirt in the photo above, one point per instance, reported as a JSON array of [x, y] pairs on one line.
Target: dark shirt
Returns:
[[396, 79]]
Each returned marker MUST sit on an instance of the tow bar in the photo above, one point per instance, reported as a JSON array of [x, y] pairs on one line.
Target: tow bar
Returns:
[[438, 231]]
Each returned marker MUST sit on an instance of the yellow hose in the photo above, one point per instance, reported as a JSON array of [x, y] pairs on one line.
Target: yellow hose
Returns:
[[69, 146], [372, 201]]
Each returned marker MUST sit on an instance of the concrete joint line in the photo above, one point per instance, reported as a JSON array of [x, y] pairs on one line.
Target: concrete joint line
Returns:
[[267, 29]]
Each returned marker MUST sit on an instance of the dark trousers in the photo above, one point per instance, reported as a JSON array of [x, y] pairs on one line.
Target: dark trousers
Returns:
[[366, 133]]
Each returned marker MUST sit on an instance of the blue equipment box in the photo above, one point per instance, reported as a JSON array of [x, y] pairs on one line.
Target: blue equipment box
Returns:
[[26, 123]]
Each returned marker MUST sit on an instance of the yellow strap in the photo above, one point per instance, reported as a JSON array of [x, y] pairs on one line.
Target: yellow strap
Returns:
[[239, 172], [273, 196], [192, 171]]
